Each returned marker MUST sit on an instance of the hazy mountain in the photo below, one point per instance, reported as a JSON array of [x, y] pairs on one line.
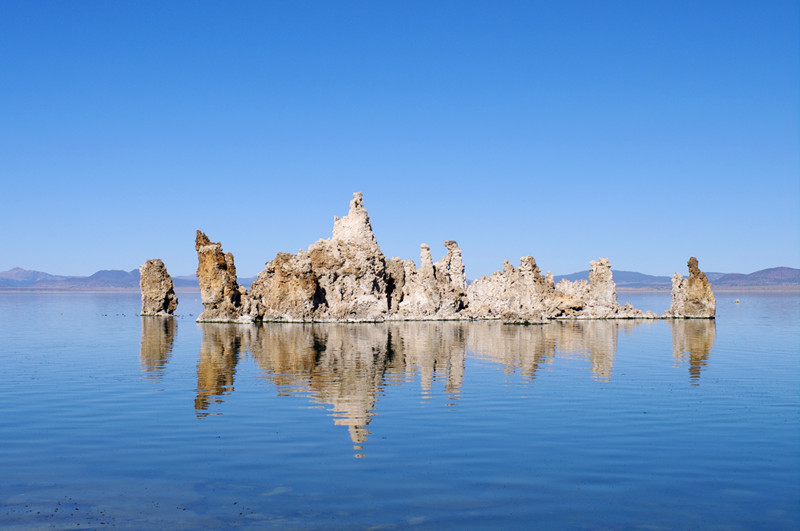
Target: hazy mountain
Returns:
[[106, 279], [628, 279], [115, 279], [774, 276]]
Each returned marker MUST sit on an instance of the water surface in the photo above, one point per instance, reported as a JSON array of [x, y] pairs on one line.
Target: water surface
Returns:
[[111, 419]]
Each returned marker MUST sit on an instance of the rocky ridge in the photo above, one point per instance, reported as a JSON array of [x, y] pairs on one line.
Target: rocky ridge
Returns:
[[347, 278]]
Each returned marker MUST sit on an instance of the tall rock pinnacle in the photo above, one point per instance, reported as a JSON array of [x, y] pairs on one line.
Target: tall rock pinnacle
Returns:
[[158, 292]]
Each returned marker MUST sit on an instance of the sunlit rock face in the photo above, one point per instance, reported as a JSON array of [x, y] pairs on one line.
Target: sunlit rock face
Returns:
[[516, 294], [219, 290], [347, 278], [597, 297], [523, 294], [158, 292], [286, 290], [434, 291], [692, 297]]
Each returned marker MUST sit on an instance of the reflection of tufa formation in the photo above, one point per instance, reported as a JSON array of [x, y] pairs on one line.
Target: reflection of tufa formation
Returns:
[[347, 278], [348, 368]]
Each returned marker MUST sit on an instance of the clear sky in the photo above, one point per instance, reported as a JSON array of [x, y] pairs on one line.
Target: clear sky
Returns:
[[645, 132]]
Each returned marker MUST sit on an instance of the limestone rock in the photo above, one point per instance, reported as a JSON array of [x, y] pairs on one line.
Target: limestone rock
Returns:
[[517, 294], [158, 292], [434, 291], [351, 269], [219, 290], [348, 278], [597, 298], [287, 290], [692, 297]]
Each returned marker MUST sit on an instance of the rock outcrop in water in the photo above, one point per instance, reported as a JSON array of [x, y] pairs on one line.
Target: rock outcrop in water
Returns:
[[219, 290], [523, 294], [158, 292], [347, 278], [692, 297]]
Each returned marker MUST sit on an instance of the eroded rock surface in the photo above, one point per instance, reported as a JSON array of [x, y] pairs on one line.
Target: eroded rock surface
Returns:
[[517, 294], [692, 297], [348, 278], [158, 292], [597, 297], [219, 290]]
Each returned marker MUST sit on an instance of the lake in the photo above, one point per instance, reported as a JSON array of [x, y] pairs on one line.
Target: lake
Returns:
[[114, 420]]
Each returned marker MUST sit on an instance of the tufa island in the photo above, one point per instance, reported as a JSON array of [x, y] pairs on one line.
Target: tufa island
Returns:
[[347, 278]]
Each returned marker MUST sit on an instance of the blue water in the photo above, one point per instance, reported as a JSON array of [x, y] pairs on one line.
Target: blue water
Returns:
[[114, 420]]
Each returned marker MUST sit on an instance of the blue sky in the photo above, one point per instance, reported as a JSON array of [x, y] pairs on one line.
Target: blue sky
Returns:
[[645, 132]]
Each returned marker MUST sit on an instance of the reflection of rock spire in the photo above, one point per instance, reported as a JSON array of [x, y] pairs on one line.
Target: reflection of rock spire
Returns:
[[219, 353], [158, 334], [692, 341], [346, 366]]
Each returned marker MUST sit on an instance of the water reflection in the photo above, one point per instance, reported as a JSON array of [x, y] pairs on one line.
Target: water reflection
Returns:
[[348, 367], [219, 354], [528, 348], [343, 366], [158, 335], [692, 340]]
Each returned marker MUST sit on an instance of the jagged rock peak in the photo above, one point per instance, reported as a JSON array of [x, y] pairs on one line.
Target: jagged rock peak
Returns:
[[692, 297], [355, 227], [158, 291], [451, 267]]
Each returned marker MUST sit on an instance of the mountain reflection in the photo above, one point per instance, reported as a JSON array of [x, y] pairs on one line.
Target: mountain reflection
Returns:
[[347, 367], [158, 335], [692, 340]]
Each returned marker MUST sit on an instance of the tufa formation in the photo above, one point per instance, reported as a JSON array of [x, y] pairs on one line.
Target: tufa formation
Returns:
[[347, 278], [692, 297], [158, 292]]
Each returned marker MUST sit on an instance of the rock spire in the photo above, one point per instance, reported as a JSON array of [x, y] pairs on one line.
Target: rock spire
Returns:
[[692, 297], [158, 292]]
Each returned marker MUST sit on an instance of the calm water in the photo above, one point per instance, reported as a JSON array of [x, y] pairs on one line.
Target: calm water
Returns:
[[114, 420]]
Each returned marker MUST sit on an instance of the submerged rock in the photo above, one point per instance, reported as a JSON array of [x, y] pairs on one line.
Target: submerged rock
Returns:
[[692, 297], [158, 291]]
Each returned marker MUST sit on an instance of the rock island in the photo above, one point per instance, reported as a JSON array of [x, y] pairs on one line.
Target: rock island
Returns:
[[347, 278]]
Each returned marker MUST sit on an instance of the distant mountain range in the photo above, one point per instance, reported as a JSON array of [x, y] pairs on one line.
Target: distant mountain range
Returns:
[[774, 276], [115, 279], [105, 280]]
